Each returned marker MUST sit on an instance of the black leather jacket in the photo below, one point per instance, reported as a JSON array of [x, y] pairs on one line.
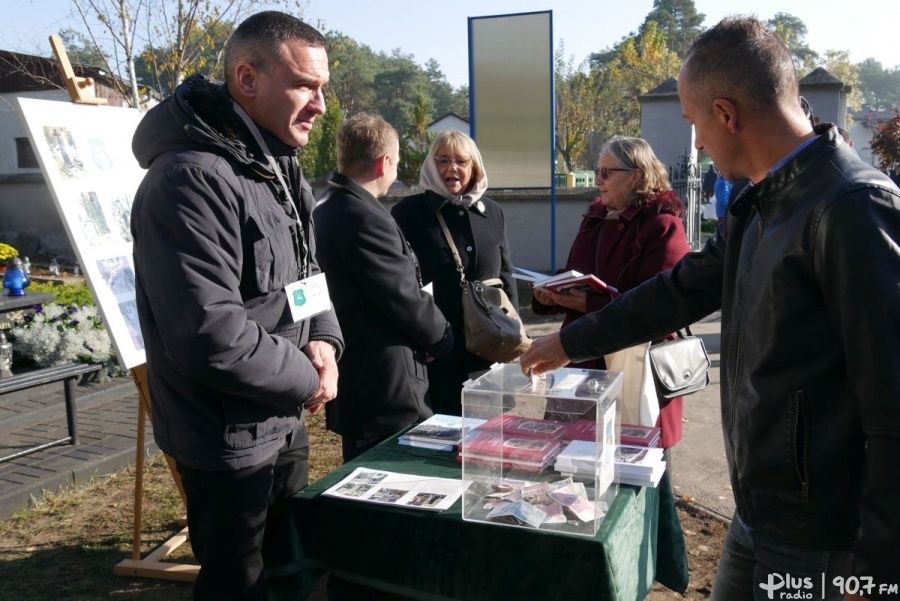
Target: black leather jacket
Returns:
[[806, 271]]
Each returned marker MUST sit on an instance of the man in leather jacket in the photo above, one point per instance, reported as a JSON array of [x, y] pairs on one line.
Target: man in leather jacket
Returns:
[[806, 272], [221, 226]]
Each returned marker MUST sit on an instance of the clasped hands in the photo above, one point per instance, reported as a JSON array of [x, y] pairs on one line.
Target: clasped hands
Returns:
[[321, 355]]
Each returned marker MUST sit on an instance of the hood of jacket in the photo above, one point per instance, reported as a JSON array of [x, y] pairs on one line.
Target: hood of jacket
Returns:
[[198, 116]]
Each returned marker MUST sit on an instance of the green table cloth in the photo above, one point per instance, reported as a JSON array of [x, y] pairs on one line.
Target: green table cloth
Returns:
[[439, 556]]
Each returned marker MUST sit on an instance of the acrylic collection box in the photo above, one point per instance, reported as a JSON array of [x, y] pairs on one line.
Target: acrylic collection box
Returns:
[[509, 459]]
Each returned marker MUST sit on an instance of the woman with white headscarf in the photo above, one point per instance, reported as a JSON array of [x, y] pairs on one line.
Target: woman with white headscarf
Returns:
[[455, 181]]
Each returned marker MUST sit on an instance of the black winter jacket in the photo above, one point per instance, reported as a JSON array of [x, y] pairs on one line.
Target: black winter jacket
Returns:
[[388, 321], [480, 238], [215, 242], [806, 270]]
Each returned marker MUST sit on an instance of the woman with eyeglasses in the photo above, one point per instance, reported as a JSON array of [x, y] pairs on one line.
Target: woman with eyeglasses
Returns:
[[630, 233], [455, 181]]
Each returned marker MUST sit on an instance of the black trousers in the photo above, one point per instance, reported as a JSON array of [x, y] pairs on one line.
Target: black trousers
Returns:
[[230, 515]]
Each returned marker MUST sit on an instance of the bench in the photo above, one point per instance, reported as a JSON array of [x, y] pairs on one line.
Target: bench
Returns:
[[68, 375]]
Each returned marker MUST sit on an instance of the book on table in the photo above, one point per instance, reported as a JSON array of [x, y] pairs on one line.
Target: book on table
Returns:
[[493, 448], [640, 466], [564, 282], [639, 436], [440, 432]]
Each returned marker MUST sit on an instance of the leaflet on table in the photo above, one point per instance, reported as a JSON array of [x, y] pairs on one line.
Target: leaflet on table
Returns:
[[398, 490], [564, 282]]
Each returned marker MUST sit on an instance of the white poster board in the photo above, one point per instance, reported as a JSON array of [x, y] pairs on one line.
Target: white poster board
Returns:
[[85, 155], [511, 97]]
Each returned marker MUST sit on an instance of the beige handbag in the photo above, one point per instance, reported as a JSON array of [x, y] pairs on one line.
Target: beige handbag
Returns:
[[640, 405]]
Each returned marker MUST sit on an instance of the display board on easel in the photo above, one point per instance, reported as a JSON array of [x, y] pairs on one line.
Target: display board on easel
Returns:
[[85, 155]]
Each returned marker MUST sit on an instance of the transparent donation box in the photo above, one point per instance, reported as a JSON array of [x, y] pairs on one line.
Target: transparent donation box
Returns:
[[509, 458]]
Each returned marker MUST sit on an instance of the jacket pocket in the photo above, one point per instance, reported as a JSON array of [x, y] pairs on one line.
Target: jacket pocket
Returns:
[[801, 445], [245, 427], [274, 249]]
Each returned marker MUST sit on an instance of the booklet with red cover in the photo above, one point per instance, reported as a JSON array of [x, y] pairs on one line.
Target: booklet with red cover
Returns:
[[564, 282], [518, 426], [491, 445], [641, 436]]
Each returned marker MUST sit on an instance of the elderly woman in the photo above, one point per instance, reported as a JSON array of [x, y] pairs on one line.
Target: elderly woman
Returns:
[[632, 232], [455, 181]]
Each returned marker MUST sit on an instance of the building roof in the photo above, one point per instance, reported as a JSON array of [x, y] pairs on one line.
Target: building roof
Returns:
[[666, 89], [446, 115], [820, 77], [28, 73]]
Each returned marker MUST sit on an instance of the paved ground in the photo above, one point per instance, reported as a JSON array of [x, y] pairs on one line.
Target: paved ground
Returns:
[[107, 429]]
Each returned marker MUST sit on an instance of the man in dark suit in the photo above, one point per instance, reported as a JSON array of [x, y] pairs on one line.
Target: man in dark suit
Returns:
[[390, 324]]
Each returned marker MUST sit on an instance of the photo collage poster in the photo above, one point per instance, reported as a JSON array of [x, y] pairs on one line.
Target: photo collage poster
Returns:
[[85, 155]]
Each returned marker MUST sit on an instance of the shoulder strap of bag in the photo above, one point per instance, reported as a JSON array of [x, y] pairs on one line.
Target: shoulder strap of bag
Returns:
[[459, 266]]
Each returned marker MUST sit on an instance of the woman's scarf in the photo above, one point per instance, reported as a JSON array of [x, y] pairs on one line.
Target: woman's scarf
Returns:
[[430, 179]]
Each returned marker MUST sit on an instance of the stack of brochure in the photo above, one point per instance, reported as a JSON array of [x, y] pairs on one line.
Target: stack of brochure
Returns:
[[517, 442], [511, 452], [639, 436], [638, 466], [439, 432]]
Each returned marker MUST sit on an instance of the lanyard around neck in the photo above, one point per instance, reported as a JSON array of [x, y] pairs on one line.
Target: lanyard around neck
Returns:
[[300, 239], [254, 131]]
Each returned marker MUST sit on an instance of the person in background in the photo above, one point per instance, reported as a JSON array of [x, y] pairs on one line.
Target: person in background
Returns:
[[221, 227], [805, 271], [723, 195], [389, 323], [709, 182], [454, 179]]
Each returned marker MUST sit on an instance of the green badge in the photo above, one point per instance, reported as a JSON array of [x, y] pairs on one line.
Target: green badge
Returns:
[[299, 298]]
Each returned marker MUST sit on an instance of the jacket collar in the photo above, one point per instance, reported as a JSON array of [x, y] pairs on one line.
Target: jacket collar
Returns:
[[760, 194], [435, 202], [342, 182]]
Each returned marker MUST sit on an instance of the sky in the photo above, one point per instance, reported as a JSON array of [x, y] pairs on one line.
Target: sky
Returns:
[[439, 30]]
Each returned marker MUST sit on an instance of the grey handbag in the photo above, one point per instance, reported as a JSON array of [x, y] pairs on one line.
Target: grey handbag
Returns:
[[679, 367], [493, 329]]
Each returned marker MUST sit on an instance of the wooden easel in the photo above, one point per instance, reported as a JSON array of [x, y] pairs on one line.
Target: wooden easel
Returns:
[[78, 87], [150, 566]]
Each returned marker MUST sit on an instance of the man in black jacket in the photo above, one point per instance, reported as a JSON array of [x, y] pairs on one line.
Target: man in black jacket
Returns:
[[224, 255], [389, 323], [805, 270]]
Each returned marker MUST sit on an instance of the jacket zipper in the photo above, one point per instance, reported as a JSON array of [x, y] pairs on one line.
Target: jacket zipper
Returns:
[[801, 446]]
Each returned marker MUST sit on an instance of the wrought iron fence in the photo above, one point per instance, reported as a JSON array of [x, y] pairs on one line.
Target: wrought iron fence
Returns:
[[685, 178]]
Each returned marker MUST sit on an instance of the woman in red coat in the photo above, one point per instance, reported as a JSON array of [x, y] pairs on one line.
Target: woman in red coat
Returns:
[[630, 233]]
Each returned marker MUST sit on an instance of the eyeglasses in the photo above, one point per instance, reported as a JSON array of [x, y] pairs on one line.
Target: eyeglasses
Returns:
[[444, 162], [603, 172]]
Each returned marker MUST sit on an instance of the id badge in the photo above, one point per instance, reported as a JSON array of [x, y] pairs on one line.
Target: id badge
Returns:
[[308, 297]]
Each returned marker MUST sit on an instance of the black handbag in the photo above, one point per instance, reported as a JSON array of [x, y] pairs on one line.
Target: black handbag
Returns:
[[679, 367], [493, 329]]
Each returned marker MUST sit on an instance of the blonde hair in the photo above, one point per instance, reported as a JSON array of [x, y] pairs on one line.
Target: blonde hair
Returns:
[[459, 144], [635, 153], [361, 140]]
